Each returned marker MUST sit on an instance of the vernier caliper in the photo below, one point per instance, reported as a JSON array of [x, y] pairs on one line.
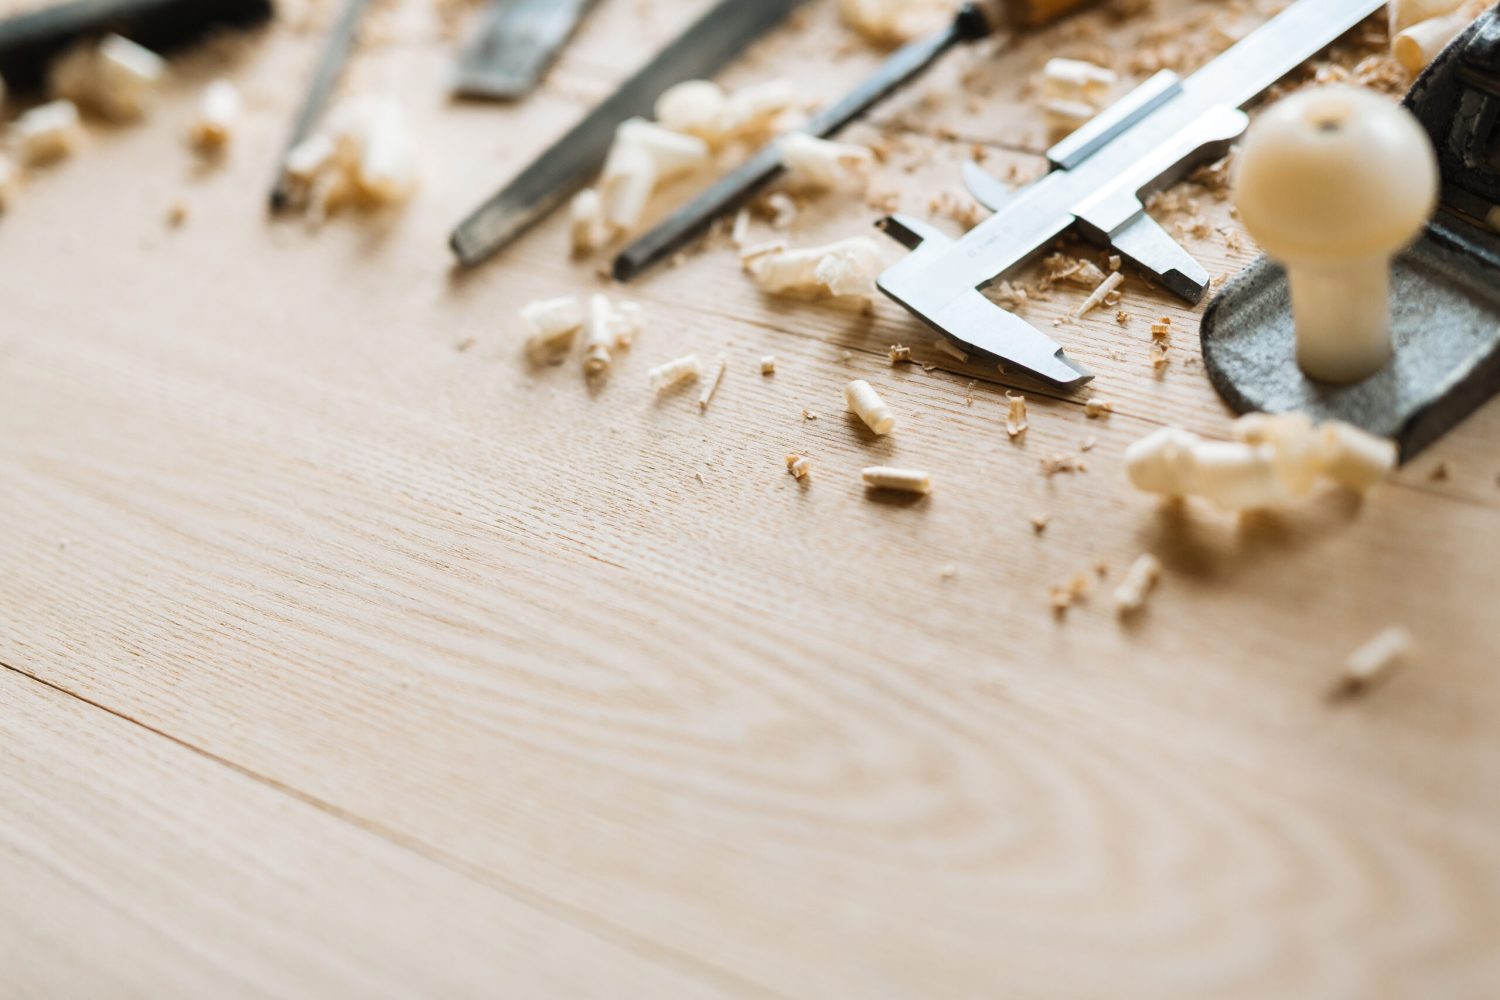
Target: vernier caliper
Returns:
[[1099, 175]]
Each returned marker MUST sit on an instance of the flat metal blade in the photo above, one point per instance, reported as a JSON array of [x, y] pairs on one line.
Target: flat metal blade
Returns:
[[987, 189], [712, 41], [516, 42]]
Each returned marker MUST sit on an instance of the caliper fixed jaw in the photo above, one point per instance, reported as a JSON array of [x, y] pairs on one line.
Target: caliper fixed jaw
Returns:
[[971, 321]]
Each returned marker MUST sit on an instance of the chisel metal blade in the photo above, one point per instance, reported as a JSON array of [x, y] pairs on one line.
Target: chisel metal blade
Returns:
[[713, 40], [30, 41], [517, 41]]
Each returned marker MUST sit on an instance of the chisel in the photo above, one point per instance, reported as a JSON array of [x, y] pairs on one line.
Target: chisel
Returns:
[[515, 44], [973, 21], [713, 40]]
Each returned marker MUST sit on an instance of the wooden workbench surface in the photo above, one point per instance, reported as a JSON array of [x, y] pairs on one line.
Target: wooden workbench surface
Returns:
[[345, 654]]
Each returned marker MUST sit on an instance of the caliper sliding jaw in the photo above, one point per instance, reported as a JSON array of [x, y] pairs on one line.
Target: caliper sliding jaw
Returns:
[[1098, 178]]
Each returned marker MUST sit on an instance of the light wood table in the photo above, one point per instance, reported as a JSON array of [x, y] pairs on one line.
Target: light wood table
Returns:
[[346, 655]]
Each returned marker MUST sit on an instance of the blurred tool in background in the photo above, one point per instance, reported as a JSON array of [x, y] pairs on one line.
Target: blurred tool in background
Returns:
[[973, 21], [712, 41], [516, 42], [30, 42]]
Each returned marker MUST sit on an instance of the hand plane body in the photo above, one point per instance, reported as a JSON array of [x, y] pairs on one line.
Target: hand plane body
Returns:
[[1445, 297], [1098, 178]]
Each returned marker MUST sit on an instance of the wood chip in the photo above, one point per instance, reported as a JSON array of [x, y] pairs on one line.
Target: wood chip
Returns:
[[1016, 423]]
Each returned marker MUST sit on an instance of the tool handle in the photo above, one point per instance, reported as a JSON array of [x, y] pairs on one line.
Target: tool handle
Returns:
[[1032, 13]]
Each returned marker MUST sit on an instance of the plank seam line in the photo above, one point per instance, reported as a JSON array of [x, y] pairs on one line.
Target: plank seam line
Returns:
[[647, 948]]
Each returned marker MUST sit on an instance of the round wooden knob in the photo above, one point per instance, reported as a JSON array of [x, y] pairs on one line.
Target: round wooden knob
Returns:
[[1332, 182]]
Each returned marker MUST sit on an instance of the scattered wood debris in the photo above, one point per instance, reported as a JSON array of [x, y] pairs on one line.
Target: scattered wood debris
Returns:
[[798, 465], [219, 110], [643, 157], [588, 229], [1374, 661], [366, 158], [1016, 422], [809, 415], [846, 268], [948, 572], [1039, 523], [860, 398], [551, 326], [893, 22], [768, 364], [1276, 459], [47, 132], [177, 213], [683, 369], [711, 385], [899, 354], [946, 346], [1096, 409], [1067, 595], [782, 208], [1140, 580], [884, 477], [814, 164], [1097, 297], [1440, 473], [1061, 461], [703, 110], [1060, 267]]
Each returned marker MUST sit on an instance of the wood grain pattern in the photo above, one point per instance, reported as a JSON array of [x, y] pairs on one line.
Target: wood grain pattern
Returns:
[[508, 658]]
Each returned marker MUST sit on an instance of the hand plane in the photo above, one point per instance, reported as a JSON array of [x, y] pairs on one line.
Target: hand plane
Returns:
[[1098, 178], [1445, 299]]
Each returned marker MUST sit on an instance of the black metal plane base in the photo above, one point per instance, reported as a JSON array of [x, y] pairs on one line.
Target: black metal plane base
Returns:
[[1445, 290]]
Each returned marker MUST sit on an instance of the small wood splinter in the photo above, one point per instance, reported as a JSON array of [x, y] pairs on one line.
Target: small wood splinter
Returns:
[[711, 387], [1140, 580], [798, 465], [884, 477], [1016, 423], [1374, 661], [861, 398], [683, 369]]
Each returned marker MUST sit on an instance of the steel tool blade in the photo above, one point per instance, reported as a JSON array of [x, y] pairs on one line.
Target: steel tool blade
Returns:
[[516, 42], [713, 40]]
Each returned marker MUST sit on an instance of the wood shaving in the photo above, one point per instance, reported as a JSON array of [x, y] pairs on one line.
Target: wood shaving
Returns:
[[1039, 523], [798, 465], [1061, 461], [768, 365], [1140, 580], [1374, 661], [846, 268], [1096, 409], [1016, 422], [1106, 287], [899, 354], [711, 387], [884, 477], [683, 369]]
